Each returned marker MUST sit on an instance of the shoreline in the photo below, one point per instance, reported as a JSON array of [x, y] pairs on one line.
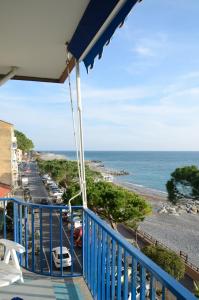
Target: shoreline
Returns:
[[154, 197], [177, 232], [51, 156]]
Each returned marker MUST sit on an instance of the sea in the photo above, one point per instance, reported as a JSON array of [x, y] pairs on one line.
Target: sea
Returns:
[[147, 169]]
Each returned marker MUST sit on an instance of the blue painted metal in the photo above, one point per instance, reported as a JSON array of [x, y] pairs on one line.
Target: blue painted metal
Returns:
[[125, 285], [113, 257], [4, 220], [33, 239], [94, 270], [20, 229], [89, 251], [84, 243], [108, 266], [103, 262], [92, 255], [163, 293], [41, 240], [119, 273], [86, 247], [99, 261], [26, 236], [144, 262], [133, 278], [51, 243], [72, 242], [102, 249], [152, 288], [14, 221], [142, 283], [61, 240]]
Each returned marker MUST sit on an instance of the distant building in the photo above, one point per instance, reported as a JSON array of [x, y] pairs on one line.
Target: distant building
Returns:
[[8, 155]]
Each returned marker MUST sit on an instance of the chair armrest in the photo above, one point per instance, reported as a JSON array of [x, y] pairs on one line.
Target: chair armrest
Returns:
[[12, 245]]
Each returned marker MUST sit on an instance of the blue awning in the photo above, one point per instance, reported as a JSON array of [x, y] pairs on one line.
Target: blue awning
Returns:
[[94, 17]]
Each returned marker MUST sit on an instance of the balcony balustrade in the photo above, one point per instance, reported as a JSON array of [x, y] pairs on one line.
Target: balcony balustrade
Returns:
[[111, 267]]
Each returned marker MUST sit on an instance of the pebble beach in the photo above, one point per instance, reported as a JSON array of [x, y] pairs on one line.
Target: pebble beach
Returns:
[[179, 233]]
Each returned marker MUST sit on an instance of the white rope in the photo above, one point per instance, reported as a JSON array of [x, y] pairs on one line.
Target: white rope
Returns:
[[81, 140], [73, 119]]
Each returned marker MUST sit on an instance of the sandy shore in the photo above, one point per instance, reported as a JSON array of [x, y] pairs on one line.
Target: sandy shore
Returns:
[[177, 232], [51, 156]]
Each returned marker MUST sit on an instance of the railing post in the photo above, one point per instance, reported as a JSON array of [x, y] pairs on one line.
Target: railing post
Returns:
[[20, 228], [119, 267], [4, 220], [33, 239], [41, 239], [133, 278], [72, 241], [107, 278], [99, 260], [51, 259], [26, 236], [142, 283], [103, 263], [125, 287], [113, 257], [61, 242]]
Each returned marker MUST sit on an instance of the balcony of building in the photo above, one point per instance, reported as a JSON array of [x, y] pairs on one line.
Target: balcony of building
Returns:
[[102, 265]]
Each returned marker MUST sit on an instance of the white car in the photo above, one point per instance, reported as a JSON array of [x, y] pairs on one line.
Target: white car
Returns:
[[77, 222], [66, 257]]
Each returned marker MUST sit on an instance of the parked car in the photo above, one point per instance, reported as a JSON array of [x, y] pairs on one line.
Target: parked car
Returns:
[[24, 181], [78, 236], [76, 221], [66, 257]]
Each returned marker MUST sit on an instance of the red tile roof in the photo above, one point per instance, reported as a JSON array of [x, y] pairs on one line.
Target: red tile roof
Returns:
[[4, 190]]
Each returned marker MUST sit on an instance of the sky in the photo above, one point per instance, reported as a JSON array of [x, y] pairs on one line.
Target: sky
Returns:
[[142, 95]]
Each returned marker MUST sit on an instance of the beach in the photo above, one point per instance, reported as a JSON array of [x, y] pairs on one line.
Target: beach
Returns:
[[51, 156], [179, 233]]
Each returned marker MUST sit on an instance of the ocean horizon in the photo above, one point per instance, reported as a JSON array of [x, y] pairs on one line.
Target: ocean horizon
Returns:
[[147, 169]]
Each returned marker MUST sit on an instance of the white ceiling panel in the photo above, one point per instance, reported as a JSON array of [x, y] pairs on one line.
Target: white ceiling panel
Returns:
[[33, 34]]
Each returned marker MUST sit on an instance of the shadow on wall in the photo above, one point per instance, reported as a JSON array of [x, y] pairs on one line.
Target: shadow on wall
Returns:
[[5, 178]]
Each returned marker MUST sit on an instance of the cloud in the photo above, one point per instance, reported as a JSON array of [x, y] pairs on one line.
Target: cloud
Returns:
[[162, 117], [144, 51]]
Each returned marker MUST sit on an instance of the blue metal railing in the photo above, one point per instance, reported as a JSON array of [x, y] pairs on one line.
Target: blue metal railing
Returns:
[[112, 268], [40, 228]]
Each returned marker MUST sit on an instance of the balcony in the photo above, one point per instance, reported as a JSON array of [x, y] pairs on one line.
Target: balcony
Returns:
[[106, 264]]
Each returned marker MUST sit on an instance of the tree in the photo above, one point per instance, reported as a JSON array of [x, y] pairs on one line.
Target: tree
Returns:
[[111, 202], [184, 183], [23, 142], [166, 259], [116, 204]]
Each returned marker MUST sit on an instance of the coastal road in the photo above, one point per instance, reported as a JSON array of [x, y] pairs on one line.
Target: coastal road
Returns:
[[44, 259]]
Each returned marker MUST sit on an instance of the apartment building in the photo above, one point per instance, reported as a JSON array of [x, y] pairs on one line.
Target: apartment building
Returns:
[[8, 155]]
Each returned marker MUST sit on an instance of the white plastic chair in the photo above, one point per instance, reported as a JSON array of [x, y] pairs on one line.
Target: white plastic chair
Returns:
[[10, 270]]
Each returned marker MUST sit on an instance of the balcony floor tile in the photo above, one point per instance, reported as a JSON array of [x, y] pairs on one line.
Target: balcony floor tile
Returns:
[[38, 287]]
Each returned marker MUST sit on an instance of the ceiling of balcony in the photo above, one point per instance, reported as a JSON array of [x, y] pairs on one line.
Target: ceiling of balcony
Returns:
[[33, 35]]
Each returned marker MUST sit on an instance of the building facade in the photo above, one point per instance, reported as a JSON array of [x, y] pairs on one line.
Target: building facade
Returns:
[[8, 155]]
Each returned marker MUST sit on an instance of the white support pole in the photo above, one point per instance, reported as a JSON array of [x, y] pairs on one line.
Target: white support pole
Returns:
[[81, 144], [8, 76]]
